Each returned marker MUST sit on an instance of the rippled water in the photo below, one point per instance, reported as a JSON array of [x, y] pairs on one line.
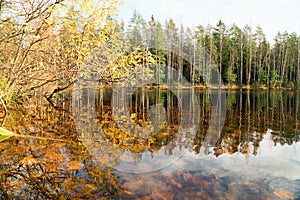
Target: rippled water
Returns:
[[155, 144]]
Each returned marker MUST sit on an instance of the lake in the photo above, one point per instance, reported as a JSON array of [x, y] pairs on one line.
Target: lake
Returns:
[[154, 143]]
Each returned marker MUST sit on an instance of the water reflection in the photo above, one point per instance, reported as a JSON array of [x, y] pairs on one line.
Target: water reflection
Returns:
[[256, 153], [50, 169], [249, 114]]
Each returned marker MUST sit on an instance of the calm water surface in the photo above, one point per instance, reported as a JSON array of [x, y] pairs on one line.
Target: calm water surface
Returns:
[[154, 144]]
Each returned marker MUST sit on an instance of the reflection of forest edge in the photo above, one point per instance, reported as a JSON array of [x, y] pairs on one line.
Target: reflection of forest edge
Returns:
[[249, 114], [47, 168]]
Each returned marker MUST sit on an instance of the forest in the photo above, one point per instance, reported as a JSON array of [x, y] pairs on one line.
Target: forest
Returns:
[[243, 55], [44, 44]]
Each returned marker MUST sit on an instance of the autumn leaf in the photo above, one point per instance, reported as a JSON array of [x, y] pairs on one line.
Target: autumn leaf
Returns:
[[284, 194], [5, 134], [74, 165], [29, 161]]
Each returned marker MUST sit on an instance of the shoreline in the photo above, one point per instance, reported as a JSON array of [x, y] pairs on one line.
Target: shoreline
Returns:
[[244, 87]]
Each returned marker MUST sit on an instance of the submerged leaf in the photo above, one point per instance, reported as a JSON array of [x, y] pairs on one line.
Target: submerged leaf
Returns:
[[5, 134], [284, 194], [29, 161], [74, 165]]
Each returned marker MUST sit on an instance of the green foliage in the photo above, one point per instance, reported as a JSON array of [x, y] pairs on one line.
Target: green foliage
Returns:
[[275, 82], [274, 75], [264, 76], [137, 24], [230, 77], [288, 84]]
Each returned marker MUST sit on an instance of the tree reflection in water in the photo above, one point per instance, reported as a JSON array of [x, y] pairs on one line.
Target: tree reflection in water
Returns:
[[47, 169], [50, 169]]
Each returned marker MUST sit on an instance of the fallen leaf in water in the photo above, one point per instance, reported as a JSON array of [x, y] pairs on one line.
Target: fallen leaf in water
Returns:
[[173, 182], [197, 179], [58, 145], [162, 195], [162, 135], [128, 192], [283, 194], [133, 186], [187, 177], [29, 161], [74, 165], [203, 195], [68, 183]]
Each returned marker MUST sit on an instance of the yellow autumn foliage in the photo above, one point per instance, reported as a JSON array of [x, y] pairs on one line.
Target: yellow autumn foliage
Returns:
[[43, 44]]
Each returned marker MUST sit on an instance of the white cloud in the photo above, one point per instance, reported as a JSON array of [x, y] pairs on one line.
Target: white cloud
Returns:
[[271, 15]]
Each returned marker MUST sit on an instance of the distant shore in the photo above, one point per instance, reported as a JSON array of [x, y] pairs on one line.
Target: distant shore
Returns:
[[201, 86]]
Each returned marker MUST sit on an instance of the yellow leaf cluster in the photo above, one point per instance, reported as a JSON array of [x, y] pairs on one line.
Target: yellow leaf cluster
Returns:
[[44, 43], [125, 65]]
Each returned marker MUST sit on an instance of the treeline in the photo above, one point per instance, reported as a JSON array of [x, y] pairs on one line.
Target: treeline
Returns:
[[243, 56], [44, 45]]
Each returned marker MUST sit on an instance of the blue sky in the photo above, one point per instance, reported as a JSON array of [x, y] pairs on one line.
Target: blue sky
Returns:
[[271, 15]]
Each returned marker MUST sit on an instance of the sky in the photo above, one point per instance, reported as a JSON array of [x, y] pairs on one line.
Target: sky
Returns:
[[271, 15]]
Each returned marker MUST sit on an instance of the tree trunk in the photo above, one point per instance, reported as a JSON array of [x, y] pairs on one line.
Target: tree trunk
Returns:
[[269, 66], [250, 61], [221, 49], [298, 65], [241, 67]]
